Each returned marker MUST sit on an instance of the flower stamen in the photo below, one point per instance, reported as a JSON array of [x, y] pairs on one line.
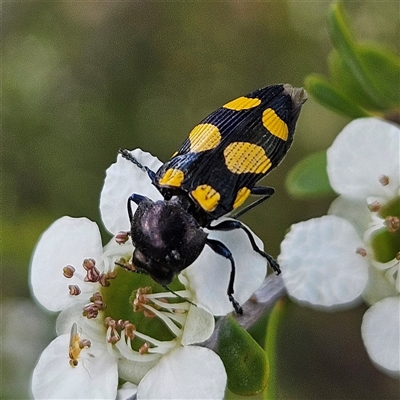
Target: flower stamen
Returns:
[[375, 206], [383, 180], [92, 309], [68, 271], [122, 237], [392, 223], [74, 290], [361, 251]]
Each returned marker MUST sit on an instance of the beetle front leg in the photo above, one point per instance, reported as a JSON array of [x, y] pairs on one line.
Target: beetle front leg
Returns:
[[223, 251]]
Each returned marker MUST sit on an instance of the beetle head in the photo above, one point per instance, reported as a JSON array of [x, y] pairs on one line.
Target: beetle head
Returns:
[[167, 239]]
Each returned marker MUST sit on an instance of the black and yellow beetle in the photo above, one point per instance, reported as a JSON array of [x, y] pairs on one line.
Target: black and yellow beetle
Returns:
[[212, 174]]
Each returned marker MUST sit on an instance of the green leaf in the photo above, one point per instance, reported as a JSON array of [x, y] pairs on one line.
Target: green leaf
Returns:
[[309, 178], [329, 96], [383, 68], [345, 82], [342, 40], [244, 360]]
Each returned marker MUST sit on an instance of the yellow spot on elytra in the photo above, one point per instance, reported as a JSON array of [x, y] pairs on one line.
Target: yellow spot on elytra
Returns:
[[244, 157], [242, 103], [241, 196], [204, 137], [274, 124], [172, 177], [206, 196]]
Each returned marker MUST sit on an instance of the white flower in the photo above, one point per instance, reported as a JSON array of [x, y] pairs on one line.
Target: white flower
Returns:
[[126, 330], [354, 253]]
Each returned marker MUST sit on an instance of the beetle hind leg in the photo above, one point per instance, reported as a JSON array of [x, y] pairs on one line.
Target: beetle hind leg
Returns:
[[230, 225]]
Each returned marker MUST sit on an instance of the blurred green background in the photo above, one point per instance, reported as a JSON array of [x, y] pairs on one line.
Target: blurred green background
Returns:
[[81, 79]]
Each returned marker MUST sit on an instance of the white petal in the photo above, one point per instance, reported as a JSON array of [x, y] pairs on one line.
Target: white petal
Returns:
[[378, 286], [126, 391], [93, 327], [68, 241], [189, 372], [209, 274], [353, 210], [199, 326], [380, 331], [319, 262], [95, 376], [133, 371], [122, 179], [365, 149]]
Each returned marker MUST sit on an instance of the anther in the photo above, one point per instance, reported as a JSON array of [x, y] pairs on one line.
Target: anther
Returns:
[[84, 343], [144, 348], [68, 271], [383, 180], [92, 273], [392, 223], [398, 256], [90, 312], [88, 263], [122, 237], [375, 206], [104, 278], [130, 330], [361, 251], [74, 290]]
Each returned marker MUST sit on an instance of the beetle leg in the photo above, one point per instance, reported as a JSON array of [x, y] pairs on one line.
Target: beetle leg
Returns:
[[265, 191], [230, 225], [223, 251], [136, 198]]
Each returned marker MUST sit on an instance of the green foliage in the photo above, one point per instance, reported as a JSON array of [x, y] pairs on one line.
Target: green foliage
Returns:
[[245, 361], [309, 177], [364, 78]]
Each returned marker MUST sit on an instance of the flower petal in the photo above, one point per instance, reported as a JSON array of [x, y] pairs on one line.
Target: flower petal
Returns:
[[378, 286], [93, 327], [95, 376], [209, 275], [353, 210], [68, 241], [380, 330], [189, 372], [366, 149], [122, 179], [319, 262], [126, 391], [199, 326]]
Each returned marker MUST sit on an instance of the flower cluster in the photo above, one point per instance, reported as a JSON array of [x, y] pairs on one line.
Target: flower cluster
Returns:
[[117, 326], [354, 252]]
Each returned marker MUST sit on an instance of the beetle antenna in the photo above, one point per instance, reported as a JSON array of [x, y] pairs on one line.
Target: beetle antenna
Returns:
[[178, 295]]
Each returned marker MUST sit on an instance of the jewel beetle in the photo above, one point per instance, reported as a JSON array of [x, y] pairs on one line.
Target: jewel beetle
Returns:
[[215, 170]]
